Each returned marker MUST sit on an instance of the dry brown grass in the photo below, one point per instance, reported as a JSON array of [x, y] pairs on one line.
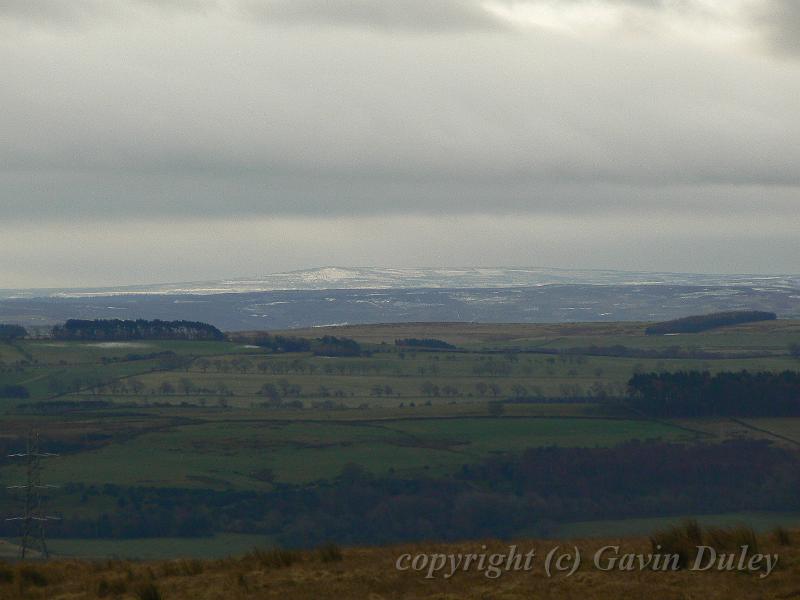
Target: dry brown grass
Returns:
[[467, 333], [369, 574]]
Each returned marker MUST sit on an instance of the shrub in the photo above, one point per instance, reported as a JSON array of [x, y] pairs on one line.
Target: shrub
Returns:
[[30, 576], [148, 591], [681, 540], [113, 587], [275, 558], [684, 539], [241, 581], [181, 568], [732, 538], [6, 574], [191, 567], [329, 553], [14, 391], [782, 536], [496, 408], [693, 531]]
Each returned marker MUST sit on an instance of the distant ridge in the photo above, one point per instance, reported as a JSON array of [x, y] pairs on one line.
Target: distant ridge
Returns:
[[354, 278], [345, 295]]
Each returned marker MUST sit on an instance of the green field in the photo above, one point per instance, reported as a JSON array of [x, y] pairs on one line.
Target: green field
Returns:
[[485, 366], [194, 415], [232, 454]]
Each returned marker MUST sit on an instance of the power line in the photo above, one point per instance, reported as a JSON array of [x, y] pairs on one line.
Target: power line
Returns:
[[33, 518]]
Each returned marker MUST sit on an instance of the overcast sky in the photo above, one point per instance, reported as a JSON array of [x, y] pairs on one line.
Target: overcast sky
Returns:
[[175, 140]]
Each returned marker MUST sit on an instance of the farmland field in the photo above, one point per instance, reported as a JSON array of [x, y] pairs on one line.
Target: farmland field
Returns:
[[229, 416], [231, 454]]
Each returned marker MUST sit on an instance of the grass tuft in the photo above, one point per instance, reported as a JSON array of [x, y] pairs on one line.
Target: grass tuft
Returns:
[[111, 587], [6, 574], [329, 553], [732, 538], [782, 536], [675, 540], [684, 539], [274, 558], [148, 591], [29, 576]]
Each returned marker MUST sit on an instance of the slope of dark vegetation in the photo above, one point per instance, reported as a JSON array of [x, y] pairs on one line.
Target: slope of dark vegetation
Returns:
[[496, 498], [699, 323], [430, 343]]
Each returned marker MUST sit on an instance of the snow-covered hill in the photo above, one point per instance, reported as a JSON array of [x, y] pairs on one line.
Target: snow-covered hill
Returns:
[[352, 278]]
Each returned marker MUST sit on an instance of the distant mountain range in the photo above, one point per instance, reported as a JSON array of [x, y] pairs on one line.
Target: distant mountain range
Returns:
[[359, 278], [337, 295]]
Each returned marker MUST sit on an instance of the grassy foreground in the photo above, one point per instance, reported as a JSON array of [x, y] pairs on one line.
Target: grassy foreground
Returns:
[[371, 573]]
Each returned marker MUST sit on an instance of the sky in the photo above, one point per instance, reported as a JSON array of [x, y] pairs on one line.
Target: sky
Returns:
[[181, 140]]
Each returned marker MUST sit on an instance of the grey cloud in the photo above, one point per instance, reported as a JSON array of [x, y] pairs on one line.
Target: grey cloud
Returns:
[[779, 21], [126, 122], [776, 23], [69, 197], [419, 15], [198, 112], [49, 11], [75, 12], [404, 15], [414, 15]]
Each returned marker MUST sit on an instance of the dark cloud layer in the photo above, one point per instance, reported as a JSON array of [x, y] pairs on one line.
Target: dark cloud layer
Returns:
[[403, 15], [776, 22], [80, 12]]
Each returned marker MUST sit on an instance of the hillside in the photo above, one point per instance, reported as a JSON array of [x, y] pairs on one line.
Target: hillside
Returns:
[[350, 297], [363, 573], [374, 278], [698, 323]]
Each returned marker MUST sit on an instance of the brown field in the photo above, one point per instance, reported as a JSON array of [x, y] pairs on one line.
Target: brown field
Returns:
[[370, 573], [474, 333]]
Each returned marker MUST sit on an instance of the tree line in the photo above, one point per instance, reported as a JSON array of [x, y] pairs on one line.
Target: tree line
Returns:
[[730, 394], [140, 329], [328, 345], [11, 332], [281, 343]]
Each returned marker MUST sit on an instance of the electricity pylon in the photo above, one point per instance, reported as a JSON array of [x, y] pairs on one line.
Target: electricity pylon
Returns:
[[33, 518]]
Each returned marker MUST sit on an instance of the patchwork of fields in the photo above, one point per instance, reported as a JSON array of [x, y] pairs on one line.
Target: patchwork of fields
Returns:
[[232, 416]]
